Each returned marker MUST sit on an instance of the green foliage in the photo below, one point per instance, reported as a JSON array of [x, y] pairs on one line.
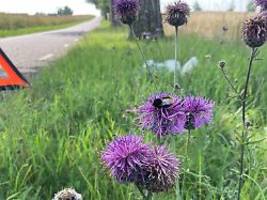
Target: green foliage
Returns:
[[103, 5], [251, 7], [51, 135]]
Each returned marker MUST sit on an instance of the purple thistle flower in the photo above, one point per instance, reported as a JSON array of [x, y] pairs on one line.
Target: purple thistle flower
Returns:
[[199, 111], [255, 31], [127, 10], [263, 15], [177, 13], [160, 172], [262, 4], [162, 114], [125, 156]]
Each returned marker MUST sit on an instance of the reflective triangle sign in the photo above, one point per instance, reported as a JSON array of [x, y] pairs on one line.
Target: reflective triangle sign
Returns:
[[10, 77]]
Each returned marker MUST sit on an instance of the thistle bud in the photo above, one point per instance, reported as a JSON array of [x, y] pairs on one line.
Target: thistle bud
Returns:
[[225, 28], [255, 31], [248, 124], [222, 64], [67, 194], [127, 10], [177, 13]]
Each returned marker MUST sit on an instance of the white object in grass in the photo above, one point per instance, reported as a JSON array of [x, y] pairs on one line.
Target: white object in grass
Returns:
[[170, 65]]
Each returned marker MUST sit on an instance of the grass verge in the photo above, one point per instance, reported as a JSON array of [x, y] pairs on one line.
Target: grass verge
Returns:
[[18, 26]]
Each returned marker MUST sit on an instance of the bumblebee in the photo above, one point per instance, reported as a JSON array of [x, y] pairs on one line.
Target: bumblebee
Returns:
[[164, 102]]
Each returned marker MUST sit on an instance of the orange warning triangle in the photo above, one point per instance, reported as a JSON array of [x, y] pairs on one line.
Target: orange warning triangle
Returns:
[[10, 77]]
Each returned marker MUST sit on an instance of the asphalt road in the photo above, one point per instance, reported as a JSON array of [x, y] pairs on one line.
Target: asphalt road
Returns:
[[29, 52]]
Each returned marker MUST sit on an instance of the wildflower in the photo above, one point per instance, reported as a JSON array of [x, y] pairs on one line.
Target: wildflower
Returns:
[[162, 114], [124, 157], [67, 194], [255, 31], [161, 171], [127, 10], [263, 14], [177, 13], [262, 4], [198, 110]]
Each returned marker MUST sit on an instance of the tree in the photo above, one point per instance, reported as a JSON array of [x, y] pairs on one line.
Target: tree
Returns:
[[197, 7], [112, 14], [106, 10], [103, 5], [96, 2], [251, 7], [65, 11], [149, 19], [232, 6]]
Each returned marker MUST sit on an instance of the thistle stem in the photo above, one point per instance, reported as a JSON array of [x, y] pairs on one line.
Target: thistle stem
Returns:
[[186, 158], [141, 191], [149, 196], [175, 56], [145, 195], [245, 128], [140, 51], [188, 143], [159, 140], [231, 84]]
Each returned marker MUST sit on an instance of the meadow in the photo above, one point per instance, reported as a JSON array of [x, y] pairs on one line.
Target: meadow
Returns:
[[18, 24], [211, 24], [52, 134]]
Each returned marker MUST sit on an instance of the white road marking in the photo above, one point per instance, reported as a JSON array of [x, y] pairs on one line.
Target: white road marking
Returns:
[[46, 57]]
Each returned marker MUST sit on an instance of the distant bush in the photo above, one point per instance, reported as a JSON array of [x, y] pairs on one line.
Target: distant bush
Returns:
[[65, 11]]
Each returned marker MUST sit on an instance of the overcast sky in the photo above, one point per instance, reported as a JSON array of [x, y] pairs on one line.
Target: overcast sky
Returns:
[[81, 7]]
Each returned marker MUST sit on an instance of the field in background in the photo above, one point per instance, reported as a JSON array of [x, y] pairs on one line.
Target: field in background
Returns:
[[210, 24], [17, 24]]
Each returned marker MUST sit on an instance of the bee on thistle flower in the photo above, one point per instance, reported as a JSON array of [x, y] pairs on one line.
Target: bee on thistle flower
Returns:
[[162, 114]]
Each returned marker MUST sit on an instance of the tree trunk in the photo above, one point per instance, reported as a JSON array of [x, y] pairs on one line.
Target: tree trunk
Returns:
[[149, 20], [113, 18]]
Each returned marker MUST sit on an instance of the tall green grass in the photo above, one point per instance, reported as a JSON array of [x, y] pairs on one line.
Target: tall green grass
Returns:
[[52, 134], [18, 24]]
